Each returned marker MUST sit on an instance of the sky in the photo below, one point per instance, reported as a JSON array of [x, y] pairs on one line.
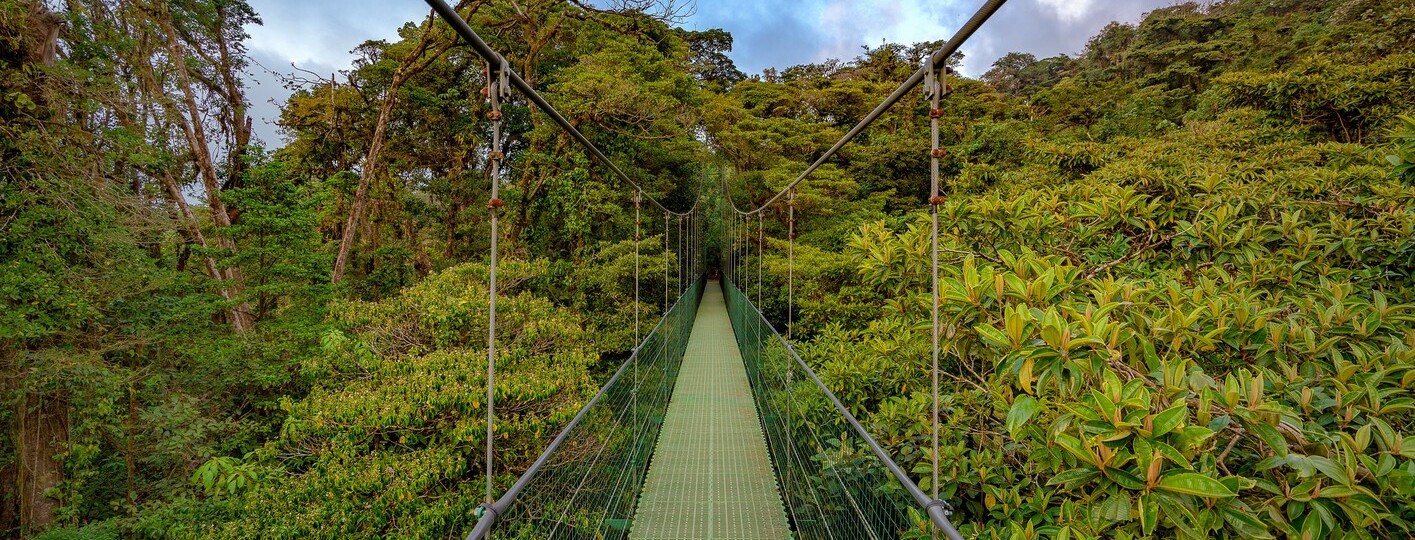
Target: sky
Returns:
[[318, 35]]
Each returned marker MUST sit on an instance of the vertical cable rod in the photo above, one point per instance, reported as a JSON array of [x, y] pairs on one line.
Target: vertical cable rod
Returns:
[[496, 87], [936, 87], [761, 255], [638, 239], [790, 262]]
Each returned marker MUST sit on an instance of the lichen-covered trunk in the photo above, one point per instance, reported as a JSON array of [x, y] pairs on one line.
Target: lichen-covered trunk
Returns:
[[194, 130], [42, 434], [412, 64]]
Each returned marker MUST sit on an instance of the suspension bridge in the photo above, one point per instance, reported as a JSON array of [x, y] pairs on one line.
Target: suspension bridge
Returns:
[[714, 427]]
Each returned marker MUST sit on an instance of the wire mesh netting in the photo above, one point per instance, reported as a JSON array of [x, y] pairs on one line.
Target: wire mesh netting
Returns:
[[589, 486], [833, 485]]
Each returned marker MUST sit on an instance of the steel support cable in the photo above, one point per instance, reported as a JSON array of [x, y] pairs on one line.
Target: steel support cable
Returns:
[[460, 26], [489, 519], [496, 88], [935, 62], [790, 317], [668, 336], [683, 231], [790, 262], [638, 338], [936, 87], [638, 240], [936, 512], [761, 256]]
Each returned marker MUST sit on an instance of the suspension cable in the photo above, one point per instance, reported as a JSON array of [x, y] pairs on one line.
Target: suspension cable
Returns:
[[761, 255], [936, 87], [938, 61], [638, 239], [790, 321], [665, 261], [790, 262], [496, 89], [514, 79], [638, 340], [679, 254]]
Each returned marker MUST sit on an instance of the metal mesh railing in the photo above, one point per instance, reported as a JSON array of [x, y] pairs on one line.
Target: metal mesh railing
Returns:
[[835, 481], [589, 480]]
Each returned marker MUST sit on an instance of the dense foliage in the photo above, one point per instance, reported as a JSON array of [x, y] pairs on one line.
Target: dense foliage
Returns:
[[1178, 281], [1178, 270], [202, 337]]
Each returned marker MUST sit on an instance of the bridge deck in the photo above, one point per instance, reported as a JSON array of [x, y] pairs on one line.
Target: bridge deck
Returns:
[[711, 476]]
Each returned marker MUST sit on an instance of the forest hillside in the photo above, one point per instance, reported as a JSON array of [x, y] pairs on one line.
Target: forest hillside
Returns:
[[1178, 267]]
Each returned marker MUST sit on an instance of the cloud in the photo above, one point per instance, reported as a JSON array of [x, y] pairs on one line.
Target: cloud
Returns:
[[1069, 10], [1047, 28], [771, 34], [315, 36], [325, 32], [319, 35]]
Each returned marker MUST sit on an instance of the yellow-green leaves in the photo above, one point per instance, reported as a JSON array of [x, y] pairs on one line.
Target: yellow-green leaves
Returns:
[[1023, 409], [1189, 483]]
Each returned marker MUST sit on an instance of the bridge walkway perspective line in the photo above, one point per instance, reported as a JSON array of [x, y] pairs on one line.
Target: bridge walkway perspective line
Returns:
[[711, 475]]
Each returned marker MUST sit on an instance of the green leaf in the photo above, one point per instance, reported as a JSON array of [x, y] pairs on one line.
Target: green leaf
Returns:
[[1125, 478], [1312, 526], [1116, 507], [993, 336], [1271, 437], [1170, 418], [1023, 409], [1072, 476], [1188, 483], [1244, 521], [1149, 513]]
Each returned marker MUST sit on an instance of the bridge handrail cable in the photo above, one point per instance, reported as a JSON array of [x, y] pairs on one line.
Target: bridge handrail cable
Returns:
[[502, 504], [938, 513]]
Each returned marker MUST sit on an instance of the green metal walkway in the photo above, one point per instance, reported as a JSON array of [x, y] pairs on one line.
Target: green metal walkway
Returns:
[[711, 476]]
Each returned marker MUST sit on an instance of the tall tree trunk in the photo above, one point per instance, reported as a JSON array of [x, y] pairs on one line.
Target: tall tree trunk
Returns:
[[195, 133], [43, 434], [10, 473], [240, 122], [193, 230], [9, 500], [407, 68]]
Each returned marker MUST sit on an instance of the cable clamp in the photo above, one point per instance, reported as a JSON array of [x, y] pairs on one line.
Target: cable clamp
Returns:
[[496, 154], [495, 203], [935, 113], [947, 508], [938, 152], [504, 78], [484, 508], [936, 200], [493, 115]]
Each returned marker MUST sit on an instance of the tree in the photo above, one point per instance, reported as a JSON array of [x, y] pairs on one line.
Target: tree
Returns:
[[413, 61], [709, 61]]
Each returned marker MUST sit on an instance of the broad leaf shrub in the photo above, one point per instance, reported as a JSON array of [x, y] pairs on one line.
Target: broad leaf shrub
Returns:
[[389, 441], [1221, 345]]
